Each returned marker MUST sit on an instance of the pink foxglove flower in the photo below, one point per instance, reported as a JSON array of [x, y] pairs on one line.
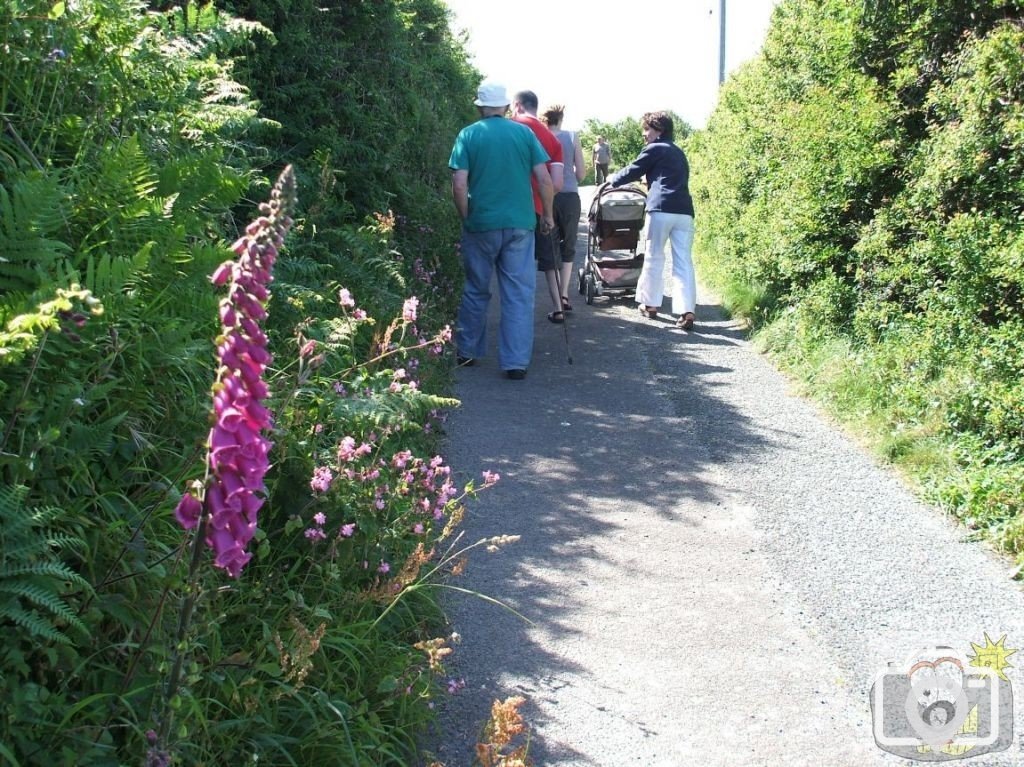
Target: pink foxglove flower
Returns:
[[237, 450]]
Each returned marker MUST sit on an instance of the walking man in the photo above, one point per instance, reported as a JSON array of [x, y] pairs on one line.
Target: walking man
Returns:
[[524, 111], [492, 162], [602, 158]]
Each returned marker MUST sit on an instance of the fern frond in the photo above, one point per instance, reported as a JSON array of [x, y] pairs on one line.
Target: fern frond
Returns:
[[33, 579], [212, 32], [30, 213], [109, 274], [394, 410], [26, 549], [34, 623], [22, 548], [43, 597], [98, 438], [120, 199], [301, 269], [57, 570], [222, 91]]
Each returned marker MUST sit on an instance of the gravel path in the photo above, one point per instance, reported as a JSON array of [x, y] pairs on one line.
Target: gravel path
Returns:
[[712, 571]]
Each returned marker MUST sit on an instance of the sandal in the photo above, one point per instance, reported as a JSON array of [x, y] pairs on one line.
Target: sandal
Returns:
[[686, 320], [556, 317], [566, 306], [650, 312]]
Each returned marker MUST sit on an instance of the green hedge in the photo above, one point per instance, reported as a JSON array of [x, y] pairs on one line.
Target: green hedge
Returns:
[[136, 145], [859, 201]]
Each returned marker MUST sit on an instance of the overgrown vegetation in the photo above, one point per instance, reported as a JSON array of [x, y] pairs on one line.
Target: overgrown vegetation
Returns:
[[135, 145], [859, 195], [859, 199]]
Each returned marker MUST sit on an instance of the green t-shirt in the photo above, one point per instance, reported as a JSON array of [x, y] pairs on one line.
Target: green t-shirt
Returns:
[[499, 155]]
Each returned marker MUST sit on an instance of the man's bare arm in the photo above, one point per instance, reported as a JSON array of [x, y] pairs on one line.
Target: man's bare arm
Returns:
[[547, 194], [557, 171], [460, 192]]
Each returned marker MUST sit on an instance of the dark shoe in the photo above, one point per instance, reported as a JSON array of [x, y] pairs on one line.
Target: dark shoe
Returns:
[[685, 321], [465, 362], [556, 317], [650, 312], [566, 306], [515, 375]]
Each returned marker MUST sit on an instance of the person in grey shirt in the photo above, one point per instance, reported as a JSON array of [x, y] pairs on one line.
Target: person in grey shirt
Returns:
[[602, 158], [567, 207]]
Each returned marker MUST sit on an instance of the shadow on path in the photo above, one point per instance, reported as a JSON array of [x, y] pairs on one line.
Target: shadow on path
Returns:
[[586, 451]]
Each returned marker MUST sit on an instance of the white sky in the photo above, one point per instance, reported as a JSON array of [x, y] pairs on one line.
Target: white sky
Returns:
[[609, 61]]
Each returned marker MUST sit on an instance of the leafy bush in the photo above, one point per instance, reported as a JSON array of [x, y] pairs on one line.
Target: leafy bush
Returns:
[[130, 143], [859, 196]]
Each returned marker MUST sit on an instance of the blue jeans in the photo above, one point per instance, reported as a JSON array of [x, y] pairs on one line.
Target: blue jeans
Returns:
[[510, 251]]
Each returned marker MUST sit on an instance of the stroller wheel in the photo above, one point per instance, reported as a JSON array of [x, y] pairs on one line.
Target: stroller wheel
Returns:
[[583, 283], [591, 289]]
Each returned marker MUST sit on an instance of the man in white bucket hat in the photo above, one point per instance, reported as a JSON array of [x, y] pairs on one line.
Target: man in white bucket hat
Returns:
[[492, 163]]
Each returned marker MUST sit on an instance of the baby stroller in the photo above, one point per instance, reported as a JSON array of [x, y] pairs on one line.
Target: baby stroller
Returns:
[[613, 264]]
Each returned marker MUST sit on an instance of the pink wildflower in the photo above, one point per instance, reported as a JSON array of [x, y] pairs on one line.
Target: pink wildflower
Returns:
[[348, 530], [490, 477], [384, 567], [188, 511], [322, 478], [345, 298], [409, 309], [237, 450], [346, 449], [320, 518]]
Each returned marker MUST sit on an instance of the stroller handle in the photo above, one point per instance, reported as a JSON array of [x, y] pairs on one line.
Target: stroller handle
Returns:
[[607, 187]]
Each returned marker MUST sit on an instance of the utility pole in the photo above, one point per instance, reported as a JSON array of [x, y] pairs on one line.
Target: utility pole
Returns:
[[721, 42]]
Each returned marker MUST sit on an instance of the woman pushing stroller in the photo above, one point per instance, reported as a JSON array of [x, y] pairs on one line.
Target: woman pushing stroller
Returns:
[[670, 215]]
